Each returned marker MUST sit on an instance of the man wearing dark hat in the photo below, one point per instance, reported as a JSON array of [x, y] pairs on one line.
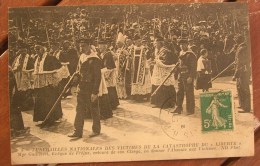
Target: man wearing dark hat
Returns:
[[242, 74], [164, 63], [185, 74], [46, 86], [90, 78], [193, 47]]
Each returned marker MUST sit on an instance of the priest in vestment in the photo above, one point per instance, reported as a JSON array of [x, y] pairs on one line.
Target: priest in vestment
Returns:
[[164, 63], [141, 76], [104, 101], [121, 63], [22, 68], [47, 76], [109, 73]]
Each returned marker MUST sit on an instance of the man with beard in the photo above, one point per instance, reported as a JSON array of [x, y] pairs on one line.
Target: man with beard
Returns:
[[90, 78]]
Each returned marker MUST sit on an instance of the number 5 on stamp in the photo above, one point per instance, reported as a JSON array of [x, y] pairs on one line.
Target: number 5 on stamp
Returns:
[[217, 111]]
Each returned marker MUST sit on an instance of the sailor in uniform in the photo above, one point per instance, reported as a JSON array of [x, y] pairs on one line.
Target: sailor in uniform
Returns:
[[185, 75]]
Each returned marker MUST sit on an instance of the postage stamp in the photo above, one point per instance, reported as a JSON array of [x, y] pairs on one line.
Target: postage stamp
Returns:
[[217, 111]]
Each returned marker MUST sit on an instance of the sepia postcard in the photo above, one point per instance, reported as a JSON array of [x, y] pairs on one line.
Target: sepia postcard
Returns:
[[107, 83]]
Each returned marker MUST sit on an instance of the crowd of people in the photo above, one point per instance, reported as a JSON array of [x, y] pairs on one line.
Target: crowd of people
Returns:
[[112, 60]]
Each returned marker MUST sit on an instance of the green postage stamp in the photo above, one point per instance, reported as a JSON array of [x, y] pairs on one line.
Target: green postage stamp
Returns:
[[217, 111]]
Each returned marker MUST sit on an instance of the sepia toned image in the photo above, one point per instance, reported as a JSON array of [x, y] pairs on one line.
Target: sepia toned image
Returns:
[[130, 82]]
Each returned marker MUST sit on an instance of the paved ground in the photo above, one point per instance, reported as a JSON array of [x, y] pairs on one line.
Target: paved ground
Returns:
[[131, 124]]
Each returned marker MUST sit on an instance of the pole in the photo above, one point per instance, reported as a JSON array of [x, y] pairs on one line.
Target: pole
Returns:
[[99, 29], [47, 34], [74, 40], [221, 72], [58, 100], [218, 20]]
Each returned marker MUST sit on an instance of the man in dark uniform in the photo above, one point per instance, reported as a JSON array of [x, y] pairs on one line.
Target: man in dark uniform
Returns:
[[90, 78], [242, 74], [185, 75]]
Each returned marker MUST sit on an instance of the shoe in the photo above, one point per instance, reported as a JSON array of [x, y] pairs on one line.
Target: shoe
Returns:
[[75, 135], [42, 125], [23, 131], [38, 124], [177, 111], [94, 134], [46, 124], [155, 106]]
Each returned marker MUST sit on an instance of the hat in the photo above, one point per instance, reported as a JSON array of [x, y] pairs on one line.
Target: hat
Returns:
[[182, 41], [103, 41], [159, 39], [40, 43], [239, 38], [85, 41], [66, 41], [203, 51], [22, 45], [55, 43], [135, 24], [146, 38], [136, 37], [190, 39], [202, 22]]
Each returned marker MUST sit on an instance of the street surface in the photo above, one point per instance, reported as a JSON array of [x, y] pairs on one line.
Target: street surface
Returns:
[[132, 124]]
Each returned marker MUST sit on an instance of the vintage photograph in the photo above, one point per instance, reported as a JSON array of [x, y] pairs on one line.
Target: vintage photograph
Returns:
[[106, 83]]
